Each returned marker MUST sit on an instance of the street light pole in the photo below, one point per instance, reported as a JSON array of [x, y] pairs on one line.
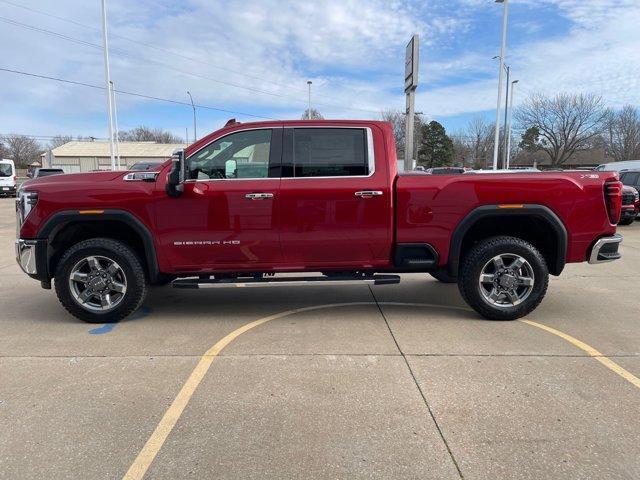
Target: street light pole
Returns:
[[506, 113], [513, 87], [195, 132], [503, 49], [107, 81], [116, 133], [309, 82]]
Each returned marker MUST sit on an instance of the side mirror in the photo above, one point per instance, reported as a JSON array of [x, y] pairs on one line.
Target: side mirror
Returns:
[[176, 176]]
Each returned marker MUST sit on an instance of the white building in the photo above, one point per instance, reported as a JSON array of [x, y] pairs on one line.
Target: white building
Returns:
[[87, 156]]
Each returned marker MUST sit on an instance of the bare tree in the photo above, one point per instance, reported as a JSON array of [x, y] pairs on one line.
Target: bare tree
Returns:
[[473, 146], [622, 133], [567, 123], [146, 134], [315, 115], [59, 140], [397, 119], [21, 149]]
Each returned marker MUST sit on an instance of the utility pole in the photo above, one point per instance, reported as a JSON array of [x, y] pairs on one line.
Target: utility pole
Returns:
[[186, 135], [506, 112], [195, 131], [410, 85], [309, 82], [513, 87], [503, 49], [107, 81]]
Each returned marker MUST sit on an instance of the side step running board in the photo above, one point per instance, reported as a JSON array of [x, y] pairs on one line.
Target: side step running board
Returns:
[[284, 281]]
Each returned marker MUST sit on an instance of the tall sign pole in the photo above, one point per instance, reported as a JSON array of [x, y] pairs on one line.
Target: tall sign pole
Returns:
[[410, 85], [107, 81]]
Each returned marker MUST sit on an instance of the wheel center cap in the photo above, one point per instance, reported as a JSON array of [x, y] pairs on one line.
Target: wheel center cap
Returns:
[[508, 281], [97, 283]]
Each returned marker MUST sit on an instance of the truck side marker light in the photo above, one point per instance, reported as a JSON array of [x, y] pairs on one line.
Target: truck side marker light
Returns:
[[511, 205], [90, 212]]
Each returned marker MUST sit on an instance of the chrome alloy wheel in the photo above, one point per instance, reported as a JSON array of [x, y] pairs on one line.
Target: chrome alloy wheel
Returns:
[[97, 283], [506, 280]]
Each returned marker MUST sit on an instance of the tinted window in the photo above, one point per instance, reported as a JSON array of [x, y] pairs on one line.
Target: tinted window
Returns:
[[329, 152], [44, 172], [5, 170], [239, 155], [630, 178]]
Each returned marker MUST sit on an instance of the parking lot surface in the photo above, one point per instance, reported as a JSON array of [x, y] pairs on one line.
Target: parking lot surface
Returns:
[[400, 381]]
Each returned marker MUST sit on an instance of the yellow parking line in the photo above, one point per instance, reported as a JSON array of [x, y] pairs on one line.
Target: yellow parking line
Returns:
[[592, 352], [153, 445], [159, 436]]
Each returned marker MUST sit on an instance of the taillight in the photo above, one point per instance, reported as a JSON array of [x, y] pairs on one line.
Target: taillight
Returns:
[[613, 199]]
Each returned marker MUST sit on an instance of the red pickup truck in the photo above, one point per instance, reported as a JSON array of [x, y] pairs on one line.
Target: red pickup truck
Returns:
[[255, 199]]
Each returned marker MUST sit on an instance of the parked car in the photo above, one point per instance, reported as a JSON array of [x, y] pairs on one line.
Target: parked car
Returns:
[[8, 178], [252, 200], [45, 172], [504, 170], [630, 203], [142, 166], [631, 178], [619, 166]]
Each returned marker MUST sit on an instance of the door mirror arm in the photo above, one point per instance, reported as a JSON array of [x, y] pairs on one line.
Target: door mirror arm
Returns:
[[176, 176]]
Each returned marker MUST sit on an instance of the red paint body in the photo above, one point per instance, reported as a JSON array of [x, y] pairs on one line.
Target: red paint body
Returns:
[[317, 223]]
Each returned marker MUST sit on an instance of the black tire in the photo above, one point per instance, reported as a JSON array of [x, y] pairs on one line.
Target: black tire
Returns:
[[130, 266], [626, 221], [480, 256], [442, 275]]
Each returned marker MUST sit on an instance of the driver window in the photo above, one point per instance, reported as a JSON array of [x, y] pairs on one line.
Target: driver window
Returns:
[[239, 155]]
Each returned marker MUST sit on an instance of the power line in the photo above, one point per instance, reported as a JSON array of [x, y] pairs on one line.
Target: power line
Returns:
[[133, 94], [191, 59], [154, 47]]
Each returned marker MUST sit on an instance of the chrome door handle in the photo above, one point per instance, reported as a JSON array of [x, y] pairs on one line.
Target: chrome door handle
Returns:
[[258, 196], [368, 193]]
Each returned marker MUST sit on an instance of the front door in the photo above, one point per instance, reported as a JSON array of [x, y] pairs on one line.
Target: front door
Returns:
[[227, 214], [335, 199]]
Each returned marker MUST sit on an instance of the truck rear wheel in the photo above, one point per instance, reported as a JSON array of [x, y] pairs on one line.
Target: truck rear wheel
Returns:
[[100, 280], [503, 278]]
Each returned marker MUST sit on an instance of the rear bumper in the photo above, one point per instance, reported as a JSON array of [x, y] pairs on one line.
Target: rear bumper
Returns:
[[606, 249], [8, 190]]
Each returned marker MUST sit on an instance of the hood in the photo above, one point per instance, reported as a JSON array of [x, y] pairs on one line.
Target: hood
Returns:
[[71, 178]]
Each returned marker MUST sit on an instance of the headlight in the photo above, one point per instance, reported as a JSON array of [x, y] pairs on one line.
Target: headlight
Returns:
[[24, 204]]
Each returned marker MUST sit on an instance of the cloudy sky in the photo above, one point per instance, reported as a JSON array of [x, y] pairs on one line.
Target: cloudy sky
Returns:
[[253, 57]]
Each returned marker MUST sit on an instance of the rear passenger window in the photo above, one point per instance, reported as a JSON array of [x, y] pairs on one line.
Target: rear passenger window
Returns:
[[330, 152]]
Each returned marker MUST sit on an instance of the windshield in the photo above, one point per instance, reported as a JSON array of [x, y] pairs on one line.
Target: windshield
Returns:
[[5, 170]]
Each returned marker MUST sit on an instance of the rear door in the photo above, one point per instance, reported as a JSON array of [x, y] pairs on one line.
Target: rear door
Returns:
[[335, 198]]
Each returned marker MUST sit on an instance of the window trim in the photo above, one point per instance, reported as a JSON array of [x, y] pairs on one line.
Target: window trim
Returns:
[[371, 159], [194, 180]]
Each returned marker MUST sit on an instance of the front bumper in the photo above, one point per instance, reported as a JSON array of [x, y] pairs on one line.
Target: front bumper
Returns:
[[26, 256], [32, 257], [606, 249]]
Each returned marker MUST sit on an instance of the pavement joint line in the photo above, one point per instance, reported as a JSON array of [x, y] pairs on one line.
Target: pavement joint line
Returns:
[[415, 381], [592, 352], [171, 416]]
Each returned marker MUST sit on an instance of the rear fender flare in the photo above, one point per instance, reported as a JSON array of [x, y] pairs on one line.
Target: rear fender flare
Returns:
[[486, 211]]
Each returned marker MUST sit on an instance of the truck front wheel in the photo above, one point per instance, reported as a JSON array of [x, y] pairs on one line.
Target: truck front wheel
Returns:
[[503, 278], [100, 280]]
